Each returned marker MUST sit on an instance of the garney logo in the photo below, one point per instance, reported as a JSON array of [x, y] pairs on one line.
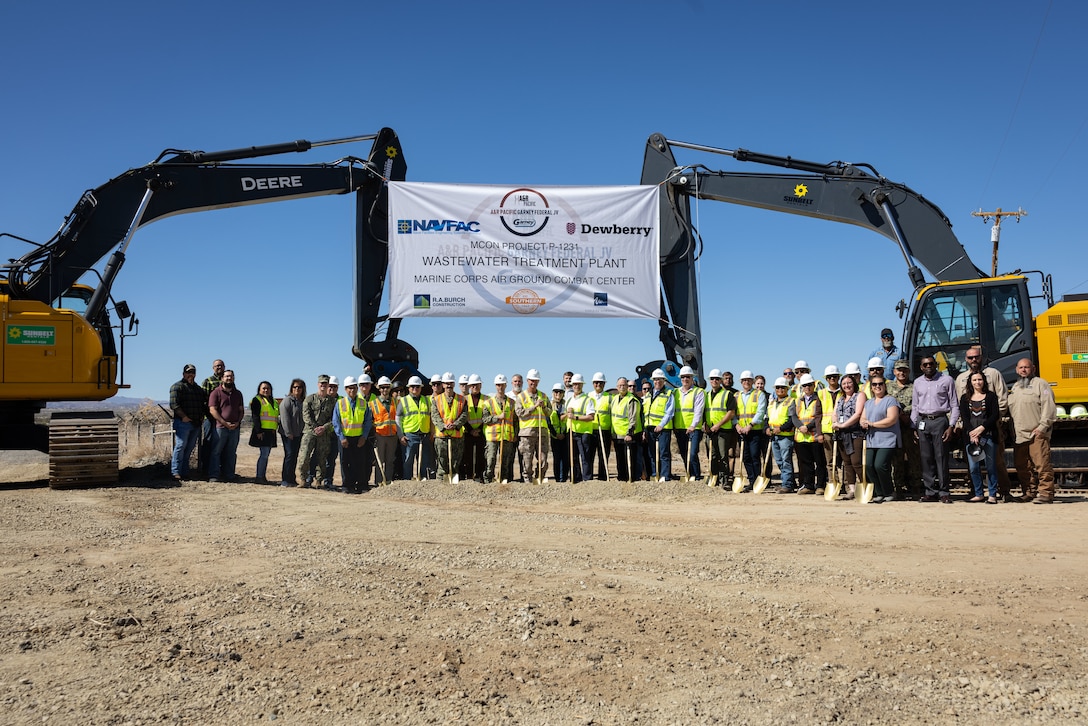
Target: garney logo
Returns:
[[524, 212], [32, 335], [800, 196], [435, 226], [525, 301]]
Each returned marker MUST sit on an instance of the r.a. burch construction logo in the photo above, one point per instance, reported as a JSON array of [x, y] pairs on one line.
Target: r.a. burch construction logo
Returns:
[[525, 301]]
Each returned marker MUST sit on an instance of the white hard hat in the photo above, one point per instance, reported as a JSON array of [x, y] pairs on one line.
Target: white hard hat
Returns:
[[500, 379], [334, 381], [558, 387], [384, 381], [365, 378], [1060, 412], [807, 379], [474, 379], [852, 369], [463, 379], [658, 373], [532, 375], [875, 362], [415, 381], [1078, 411], [436, 378], [831, 370], [685, 371], [447, 377], [801, 364], [746, 374], [598, 377], [350, 381], [781, 382], [577, 378], [714, 373]]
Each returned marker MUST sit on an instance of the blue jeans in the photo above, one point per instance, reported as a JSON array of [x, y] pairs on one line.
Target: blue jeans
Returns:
[[782, 448], [418, 446], [185, 438], [225, 454], [290, 459], [975, 467], [688, 446], [662, 463]]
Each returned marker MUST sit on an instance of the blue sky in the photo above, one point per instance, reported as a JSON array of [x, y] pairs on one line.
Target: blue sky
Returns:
[[971, 104]]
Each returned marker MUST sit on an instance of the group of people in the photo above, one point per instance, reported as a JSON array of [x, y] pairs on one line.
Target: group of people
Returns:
[[896, 433]]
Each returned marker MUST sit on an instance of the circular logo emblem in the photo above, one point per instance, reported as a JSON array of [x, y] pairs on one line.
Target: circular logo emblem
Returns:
[[524, 212], [525, 301]]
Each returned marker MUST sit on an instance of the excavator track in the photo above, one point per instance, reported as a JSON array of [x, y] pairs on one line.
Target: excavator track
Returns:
[[83, 449]]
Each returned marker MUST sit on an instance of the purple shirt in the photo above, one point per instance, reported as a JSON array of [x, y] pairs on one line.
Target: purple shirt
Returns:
[[228, 404], [934, 396]]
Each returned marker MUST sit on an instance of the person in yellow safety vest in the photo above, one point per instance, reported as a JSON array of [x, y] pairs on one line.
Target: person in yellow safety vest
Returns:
[[353, 424], [472, 460], [751, 420], [780, 431], [532, 407], [265, 413], [414, 422], [807, 417], [559, 430], [384, 411], [720, 426], [876, 368], [829, 396], [659, 411], [687, 422], [581, 416], [602, 428], [801, 368], [499, 434], [448, 418], [626, 416]]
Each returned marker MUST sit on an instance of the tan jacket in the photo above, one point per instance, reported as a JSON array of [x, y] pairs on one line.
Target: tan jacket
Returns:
[[1031, 405]]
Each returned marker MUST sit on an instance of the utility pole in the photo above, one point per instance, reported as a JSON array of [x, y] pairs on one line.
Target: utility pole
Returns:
[[995, 231]]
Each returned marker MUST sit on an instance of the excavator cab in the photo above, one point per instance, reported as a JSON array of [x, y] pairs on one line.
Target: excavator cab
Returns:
[[950, 317]]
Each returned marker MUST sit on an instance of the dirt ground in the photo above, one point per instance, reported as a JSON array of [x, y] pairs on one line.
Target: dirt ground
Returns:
[[595, 603]]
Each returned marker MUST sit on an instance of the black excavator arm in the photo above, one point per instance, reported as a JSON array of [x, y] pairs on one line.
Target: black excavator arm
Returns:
[[849, 193], [179, 182]]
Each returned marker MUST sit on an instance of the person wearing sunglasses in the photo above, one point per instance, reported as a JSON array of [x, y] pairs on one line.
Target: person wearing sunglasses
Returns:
[[934, 413], [888, 352], [976, 363]]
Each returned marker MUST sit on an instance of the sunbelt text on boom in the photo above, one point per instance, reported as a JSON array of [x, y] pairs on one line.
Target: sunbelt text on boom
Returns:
[[435, 226]]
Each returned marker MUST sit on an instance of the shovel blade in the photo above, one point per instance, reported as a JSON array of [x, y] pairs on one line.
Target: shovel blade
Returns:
[[738, 484], [831, 492], [760, 485], [867, 493]]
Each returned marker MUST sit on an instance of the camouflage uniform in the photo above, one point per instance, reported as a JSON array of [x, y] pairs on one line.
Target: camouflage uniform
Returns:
[[906, 472], [314, 454]]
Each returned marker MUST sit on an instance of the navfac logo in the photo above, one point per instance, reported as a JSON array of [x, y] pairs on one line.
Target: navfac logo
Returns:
[[436, 226], [421, 302], [600, 299]]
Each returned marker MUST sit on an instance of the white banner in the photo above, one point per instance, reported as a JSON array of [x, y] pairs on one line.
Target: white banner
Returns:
[[495, 251]]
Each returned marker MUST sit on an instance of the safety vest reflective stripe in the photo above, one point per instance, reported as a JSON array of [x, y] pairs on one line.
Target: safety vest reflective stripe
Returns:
[[621, 407], [717, 405], [270, 413], [657, 411], [385, 418], [351, 420], [475, 414], [450, 410], [778, 413], [603, 405], [579, 405], [416, 416], [504, 430], [807, 413], [684, 413], [559, 425], [746, 409], [535, 419]]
